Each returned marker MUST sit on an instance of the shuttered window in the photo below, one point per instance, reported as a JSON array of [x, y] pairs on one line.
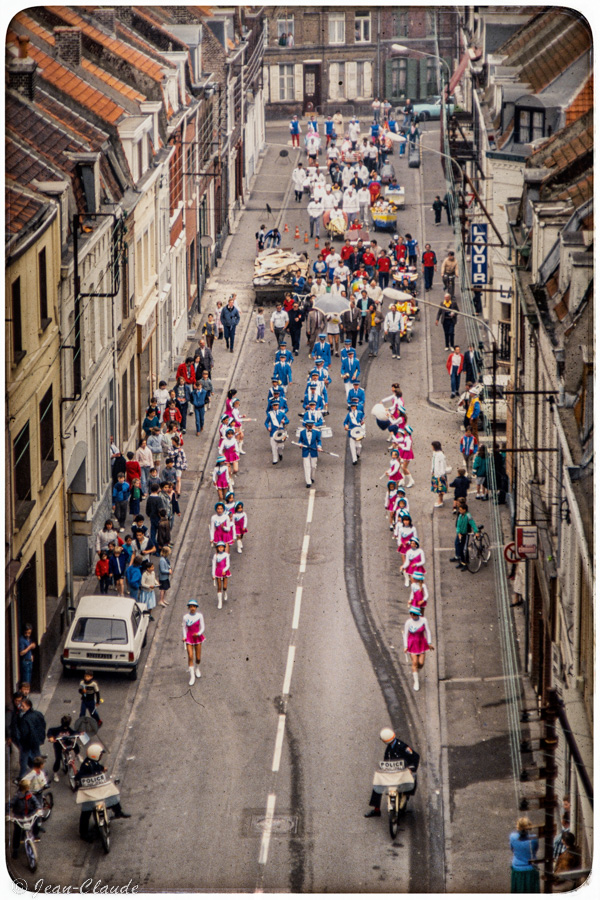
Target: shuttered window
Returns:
[[286, 82]]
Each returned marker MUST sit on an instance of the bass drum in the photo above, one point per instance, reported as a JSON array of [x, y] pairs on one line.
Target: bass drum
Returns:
[[357, 433], [279, 436]]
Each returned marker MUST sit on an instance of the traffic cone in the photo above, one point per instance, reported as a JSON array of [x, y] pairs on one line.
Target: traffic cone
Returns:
[[297, 235], [306, 237], [285, 228], [316, 243]]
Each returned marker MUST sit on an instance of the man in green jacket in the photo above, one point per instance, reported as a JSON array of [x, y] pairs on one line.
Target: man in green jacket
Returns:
[[465, 523]]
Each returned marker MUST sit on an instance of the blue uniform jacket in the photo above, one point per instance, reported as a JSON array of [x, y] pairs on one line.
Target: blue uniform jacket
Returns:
[[319, 398], [283, 372], [350, 367], [285, 356], [353, 421], [281, 420], [283, 404], [323, 351], [356, 394], [310, 442]]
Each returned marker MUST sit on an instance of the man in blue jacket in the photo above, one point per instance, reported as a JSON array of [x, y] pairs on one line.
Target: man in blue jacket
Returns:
[[120, 496], [310, 441], [230, 317]]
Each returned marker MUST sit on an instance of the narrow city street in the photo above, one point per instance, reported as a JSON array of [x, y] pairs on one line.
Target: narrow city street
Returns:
[[304, 663]]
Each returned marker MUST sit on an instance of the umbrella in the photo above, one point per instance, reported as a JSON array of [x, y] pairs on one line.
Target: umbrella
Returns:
[[331, 303], [398, 296]]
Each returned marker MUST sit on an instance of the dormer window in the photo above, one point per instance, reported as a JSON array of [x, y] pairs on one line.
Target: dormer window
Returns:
[[529, 125]]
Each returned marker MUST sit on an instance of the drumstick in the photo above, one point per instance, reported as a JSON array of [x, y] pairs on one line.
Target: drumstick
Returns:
[[306, 447]]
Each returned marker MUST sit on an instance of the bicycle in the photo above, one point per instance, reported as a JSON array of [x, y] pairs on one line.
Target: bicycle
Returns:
[[477, 550], [69, 761], [45, 798], [449, 282], [26, 824]]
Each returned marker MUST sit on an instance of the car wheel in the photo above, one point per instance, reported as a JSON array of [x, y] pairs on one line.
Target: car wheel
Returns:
[[68, 672], [133, 673], [425, 116]]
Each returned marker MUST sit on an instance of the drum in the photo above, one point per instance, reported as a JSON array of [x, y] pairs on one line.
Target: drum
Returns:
[[326, 431], [357, 433], [280, 436]]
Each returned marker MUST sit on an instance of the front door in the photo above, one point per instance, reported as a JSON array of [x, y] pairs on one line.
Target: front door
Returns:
[[312, 87]]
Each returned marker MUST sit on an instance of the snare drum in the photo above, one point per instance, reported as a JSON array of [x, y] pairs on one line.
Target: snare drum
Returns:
[[280, 436], [357, 433]]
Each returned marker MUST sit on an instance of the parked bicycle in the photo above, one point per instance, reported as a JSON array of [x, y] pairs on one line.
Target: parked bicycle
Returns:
[[70, 756], [477, 550], [27, 825]]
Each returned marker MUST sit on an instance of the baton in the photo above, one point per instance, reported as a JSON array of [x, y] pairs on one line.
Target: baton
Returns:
[[329, 453]]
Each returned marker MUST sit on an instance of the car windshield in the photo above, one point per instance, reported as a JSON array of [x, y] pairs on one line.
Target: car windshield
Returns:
[[100, 631]]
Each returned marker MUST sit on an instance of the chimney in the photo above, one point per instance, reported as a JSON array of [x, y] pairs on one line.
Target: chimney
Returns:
[[22, 76], [125, 14], [23, 46], [68, 45], [105, 16]]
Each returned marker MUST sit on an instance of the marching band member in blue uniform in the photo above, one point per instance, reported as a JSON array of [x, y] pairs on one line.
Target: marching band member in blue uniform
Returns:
[[278, 396], [283, 372], [355, 418], [276, 420], [350, 369], [356, 393], [322, 350], [313, 415], [284, 354], [315, 396], [310, 440], [322, 371]]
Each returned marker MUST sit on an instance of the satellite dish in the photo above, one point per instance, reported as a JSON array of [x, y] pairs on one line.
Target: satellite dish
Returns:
[[206, 241]]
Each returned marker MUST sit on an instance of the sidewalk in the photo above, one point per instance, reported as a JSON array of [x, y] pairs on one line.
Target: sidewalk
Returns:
[[481, 795]]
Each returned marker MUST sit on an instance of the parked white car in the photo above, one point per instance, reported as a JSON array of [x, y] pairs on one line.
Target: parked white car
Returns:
[[107, 633]]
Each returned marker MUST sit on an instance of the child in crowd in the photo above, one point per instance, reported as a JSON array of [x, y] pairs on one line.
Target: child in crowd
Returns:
[[163, 530], [461, 485], [206, 385], [117, 566], [209, 330], [468, 446], [260, 325], [90, 697], [164, 574], [128, 549], [219, 324], [135, 496], [153, 478], [162, 397], [102, 572]]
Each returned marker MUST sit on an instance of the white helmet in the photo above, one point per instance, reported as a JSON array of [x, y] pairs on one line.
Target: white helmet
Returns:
[[387, 735], [94, 751]]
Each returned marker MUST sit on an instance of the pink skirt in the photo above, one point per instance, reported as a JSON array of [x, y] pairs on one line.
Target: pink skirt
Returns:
[[390, 504], [221, 534], [398, 477], [415, 567], [416, 642], [404, 545], [223, 480], [222, 569], [231, 454], [407, 454], [240, 530]]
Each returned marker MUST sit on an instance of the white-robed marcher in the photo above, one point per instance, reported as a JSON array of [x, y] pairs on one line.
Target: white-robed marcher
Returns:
[[354, 419], [310, 441], [276, 421]]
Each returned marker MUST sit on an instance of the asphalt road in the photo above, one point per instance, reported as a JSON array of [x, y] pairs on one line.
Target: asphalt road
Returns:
[[257, 777]]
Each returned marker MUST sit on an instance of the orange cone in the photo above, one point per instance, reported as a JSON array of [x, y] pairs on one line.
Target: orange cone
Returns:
[[285, 228], [316, 243], [306, 237], [297, 235]]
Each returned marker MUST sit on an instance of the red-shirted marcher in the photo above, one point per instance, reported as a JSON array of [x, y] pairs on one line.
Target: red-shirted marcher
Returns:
[[429, 262]]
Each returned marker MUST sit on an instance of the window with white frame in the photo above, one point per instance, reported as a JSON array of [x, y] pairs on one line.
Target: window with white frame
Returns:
[[285, 27], [362, 27], [286, 82], [337, 28], [529, 125]]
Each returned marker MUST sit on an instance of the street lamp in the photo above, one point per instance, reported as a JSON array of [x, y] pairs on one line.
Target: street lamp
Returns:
[[400, 48]]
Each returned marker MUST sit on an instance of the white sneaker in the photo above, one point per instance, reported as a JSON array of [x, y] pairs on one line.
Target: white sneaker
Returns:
[[198, 672], [239, 549], [192, 676], [56, 778]]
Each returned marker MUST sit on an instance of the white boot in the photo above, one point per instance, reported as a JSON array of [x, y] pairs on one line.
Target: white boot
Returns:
[[240, 546], [416, 681], [410, 481], [225, 595], [192, 676], [219, 600], [406, 580], [197, 670]]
